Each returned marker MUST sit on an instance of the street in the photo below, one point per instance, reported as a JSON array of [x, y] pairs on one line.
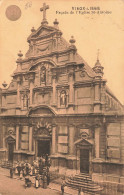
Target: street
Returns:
[[16, 186]]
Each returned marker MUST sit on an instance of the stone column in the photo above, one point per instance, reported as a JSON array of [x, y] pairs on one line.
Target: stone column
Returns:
[[53, 139], [97, 137], [31, 92], [4, 129], [97, 103], [17, 137], [30, 138], [71, 89], [71, 140], [18, 92], [54, 89], [31, 79]]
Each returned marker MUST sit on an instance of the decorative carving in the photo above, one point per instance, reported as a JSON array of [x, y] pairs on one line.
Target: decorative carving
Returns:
[[43, 128], [84, 133], [11, 131], [82, 74]]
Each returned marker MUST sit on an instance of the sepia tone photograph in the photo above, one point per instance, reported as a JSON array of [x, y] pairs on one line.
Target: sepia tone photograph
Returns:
[[62, 97]]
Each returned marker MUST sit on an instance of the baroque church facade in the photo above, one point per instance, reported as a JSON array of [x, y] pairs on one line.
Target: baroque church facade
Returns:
[[58, 105]]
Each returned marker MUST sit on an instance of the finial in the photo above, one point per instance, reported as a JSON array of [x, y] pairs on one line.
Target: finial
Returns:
[[98, 69], [33, 29], [43, 9], [20, 54], [56, 23], [4, 84], [72, 40], [98, 62]]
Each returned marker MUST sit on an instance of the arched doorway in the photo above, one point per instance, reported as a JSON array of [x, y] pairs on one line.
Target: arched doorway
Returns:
[[43, 147], [43, 138]]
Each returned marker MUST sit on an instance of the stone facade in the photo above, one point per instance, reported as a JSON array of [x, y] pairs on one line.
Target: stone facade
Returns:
[[57, 104]]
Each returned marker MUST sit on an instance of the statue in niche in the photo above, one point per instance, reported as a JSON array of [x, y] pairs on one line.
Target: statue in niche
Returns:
[[63, 98], [25, 101], [43, 75]]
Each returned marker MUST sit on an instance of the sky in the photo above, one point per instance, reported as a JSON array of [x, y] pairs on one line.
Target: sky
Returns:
[[91, 30]]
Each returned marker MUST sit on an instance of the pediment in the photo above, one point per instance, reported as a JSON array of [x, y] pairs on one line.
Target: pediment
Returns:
[[10, 139], [42, 31], [41, 111], [84, 142]]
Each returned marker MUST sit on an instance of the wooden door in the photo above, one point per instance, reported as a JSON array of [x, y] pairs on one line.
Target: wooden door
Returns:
[[84, 160], [10, 151]]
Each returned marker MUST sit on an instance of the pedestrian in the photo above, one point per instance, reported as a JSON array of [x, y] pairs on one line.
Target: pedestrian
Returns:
[[36, 182], [44, 182], [46, 160], [62, 187], [16, 170], [11, 172], [48, 178], [27, 169], [79, 191], [19, 168], [21, 174], [31, 171]]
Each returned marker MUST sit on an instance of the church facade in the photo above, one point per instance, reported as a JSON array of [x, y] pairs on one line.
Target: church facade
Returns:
[[58, 105]]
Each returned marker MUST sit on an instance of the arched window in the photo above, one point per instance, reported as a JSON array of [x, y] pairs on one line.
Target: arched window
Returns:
[[63, 98]]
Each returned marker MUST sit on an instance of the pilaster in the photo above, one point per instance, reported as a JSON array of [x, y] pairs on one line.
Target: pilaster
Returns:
[[97, 141], [71, 140], [30, 139], [53, 139], [17, 138]]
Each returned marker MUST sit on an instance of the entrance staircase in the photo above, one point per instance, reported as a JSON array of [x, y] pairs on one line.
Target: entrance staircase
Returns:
[[83, 181]]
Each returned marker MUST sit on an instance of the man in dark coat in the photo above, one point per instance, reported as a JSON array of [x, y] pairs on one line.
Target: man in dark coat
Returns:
[[11, 172]]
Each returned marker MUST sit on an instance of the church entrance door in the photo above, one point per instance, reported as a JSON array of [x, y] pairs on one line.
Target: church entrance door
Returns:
[[10, 151], [43, 147], [84, 160]]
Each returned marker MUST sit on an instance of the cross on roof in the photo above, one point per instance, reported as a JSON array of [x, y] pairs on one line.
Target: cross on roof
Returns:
[[98, 52], [43, 9]]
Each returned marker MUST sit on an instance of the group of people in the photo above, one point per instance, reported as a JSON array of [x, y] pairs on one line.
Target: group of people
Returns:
[[39, 169]]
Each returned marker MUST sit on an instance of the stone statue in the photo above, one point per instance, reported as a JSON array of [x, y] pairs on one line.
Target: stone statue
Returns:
[[63, 98]]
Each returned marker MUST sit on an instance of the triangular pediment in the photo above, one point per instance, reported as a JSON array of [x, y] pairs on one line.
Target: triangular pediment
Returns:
[[10, 138], [84, 142]]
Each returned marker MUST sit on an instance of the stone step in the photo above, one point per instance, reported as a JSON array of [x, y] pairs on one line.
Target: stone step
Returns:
[[82, 183], [85, 182], [81, 177], [85, 188], [82, 180]]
